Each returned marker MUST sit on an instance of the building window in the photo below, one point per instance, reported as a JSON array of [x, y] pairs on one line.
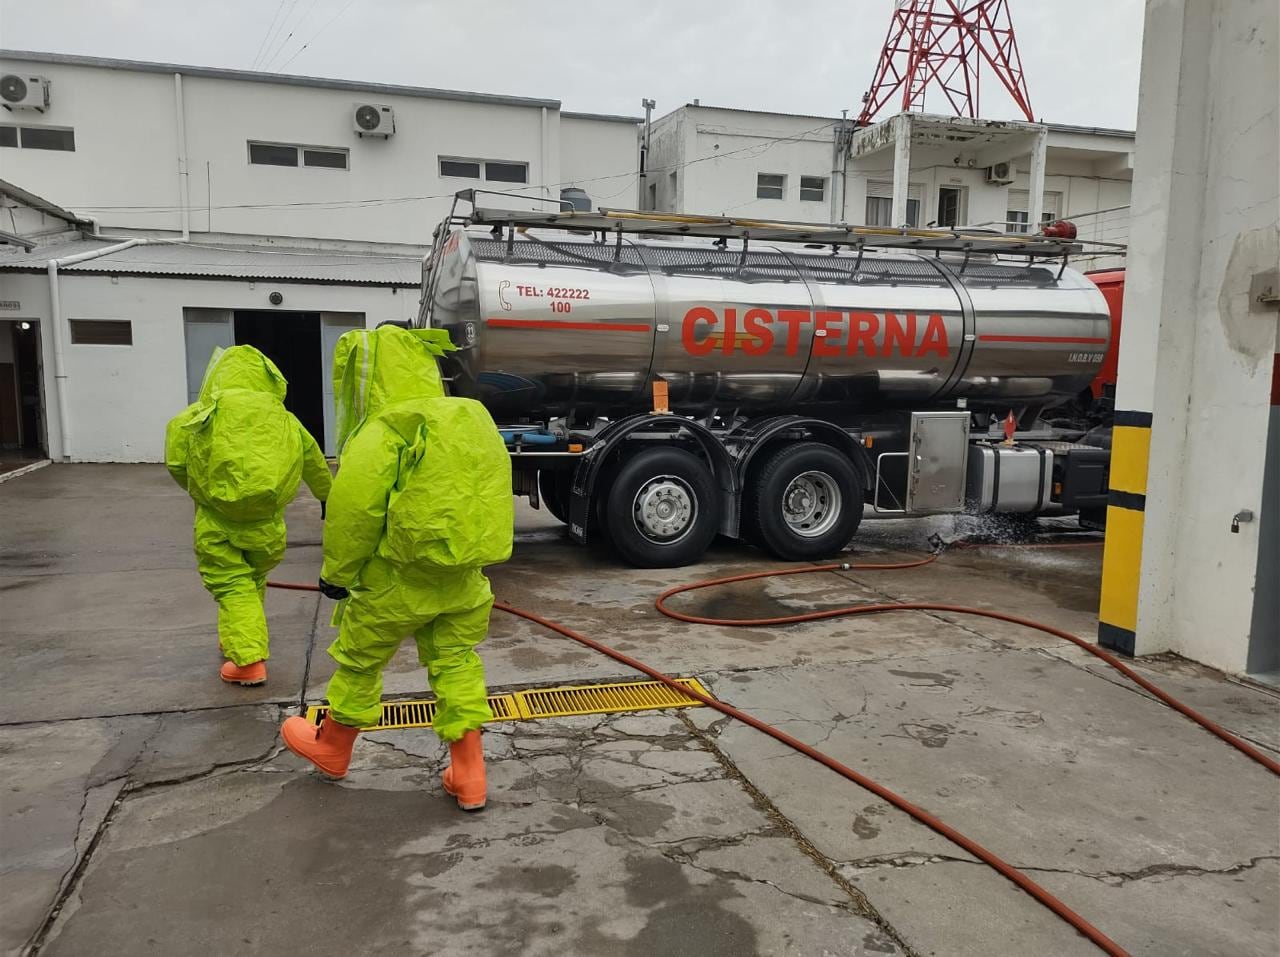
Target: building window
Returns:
[[880, 211], [495, 171], [39, 138], [284, 154], [813, 188], [1017, 216], [101, 332], [267, 154], [325, 159], [463, 169], [770, 186], [880, 204], [506, 172]]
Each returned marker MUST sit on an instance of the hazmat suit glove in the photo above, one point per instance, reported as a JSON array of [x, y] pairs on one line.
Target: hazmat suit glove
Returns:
[[322, 511], [330, 590]]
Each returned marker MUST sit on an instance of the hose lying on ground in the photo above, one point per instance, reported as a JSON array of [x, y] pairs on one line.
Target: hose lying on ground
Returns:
[[866, 609], [1039, 893]]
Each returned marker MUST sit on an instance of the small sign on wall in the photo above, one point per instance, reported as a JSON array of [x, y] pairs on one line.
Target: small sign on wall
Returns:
[[11, 304]]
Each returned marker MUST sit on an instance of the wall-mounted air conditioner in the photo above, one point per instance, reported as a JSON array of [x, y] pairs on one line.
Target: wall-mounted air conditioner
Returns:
[[1000, 174], [373, 119], [19, 91]]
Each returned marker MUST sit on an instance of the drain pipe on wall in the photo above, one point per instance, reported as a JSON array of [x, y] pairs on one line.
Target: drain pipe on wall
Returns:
[[543, 158], [184, 194]]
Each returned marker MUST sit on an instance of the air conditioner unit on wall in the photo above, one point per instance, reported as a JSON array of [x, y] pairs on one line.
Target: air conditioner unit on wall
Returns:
[[1000, 173], [373, 119], [19, 91]]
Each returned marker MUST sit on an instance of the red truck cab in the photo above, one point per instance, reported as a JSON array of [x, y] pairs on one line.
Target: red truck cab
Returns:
[[1111, 283]]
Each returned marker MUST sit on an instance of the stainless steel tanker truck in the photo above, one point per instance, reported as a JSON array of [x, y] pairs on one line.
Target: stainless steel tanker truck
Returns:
[[661, 379]]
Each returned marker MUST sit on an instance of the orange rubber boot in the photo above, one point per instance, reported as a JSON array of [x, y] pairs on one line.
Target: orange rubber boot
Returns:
[[327, 746], [464, 777], [245, 675]]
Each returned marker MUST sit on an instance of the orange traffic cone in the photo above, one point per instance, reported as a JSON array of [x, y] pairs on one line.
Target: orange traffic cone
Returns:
[[464, 777], [246, 675], [327, 746]]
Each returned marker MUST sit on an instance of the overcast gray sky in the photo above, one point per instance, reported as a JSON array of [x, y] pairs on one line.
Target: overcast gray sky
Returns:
[[799, 56]]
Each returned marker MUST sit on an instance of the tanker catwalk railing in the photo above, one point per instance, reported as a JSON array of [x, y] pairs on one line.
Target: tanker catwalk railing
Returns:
[[621, 222]]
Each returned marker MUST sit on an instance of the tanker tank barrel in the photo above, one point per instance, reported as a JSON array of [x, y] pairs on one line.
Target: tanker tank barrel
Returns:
[[577, 313]]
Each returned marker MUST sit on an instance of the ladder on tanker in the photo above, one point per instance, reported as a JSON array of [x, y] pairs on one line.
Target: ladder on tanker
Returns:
[[655, 225]]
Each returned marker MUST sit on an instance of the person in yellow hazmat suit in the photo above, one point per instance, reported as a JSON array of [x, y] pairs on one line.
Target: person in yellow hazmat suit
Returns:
[[241, 455], [421, 503]]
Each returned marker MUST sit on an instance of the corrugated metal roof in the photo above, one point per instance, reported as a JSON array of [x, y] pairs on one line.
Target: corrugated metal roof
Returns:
[[211, 261], [38, 202], [221, 73]]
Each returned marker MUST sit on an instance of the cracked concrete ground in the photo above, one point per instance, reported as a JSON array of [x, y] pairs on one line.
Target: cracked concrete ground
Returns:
[[148, 808]]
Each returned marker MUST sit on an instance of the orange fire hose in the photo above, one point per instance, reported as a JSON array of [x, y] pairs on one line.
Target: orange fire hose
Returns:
[[1101, 940], [1211, 726]]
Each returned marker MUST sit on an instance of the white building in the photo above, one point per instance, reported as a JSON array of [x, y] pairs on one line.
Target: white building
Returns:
[[948, 171], [186, 208], [160, 146]]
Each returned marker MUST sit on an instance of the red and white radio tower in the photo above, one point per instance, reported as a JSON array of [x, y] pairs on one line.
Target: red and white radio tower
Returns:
[[944, 42]]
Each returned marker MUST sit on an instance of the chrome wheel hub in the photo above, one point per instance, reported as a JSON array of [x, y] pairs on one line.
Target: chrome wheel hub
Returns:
[[664, 509], [811, 504]]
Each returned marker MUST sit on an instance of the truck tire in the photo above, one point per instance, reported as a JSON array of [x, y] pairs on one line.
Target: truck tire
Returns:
[[663, 509], [805, 503], [555, 487]]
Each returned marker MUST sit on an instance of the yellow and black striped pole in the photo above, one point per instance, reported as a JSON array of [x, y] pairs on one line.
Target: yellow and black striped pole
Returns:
[[1122, 555]]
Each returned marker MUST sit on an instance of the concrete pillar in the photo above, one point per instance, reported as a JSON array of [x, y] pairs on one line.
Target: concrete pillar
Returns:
[[1197, 349], [1035, 201], [901, 166]]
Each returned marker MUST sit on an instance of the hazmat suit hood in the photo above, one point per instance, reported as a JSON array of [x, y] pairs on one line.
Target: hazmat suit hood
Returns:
[[375, 368], [242, 367]]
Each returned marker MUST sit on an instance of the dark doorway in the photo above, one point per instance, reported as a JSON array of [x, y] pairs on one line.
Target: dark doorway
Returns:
[[951, 206], [21, 425], [292, 341]]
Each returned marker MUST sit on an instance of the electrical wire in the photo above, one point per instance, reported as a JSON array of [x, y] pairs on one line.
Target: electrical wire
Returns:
[[326, 26], [278, 46], [262, 43]]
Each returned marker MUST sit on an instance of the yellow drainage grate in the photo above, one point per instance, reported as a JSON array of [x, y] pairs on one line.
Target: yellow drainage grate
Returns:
[[606, 699], [543, 703], [420, 714]]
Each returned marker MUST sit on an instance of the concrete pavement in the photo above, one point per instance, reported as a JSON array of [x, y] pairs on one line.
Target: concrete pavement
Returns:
[[148, 808]]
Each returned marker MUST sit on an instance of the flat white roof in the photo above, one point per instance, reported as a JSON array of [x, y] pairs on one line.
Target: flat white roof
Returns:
[[286, 79], [931, 118]]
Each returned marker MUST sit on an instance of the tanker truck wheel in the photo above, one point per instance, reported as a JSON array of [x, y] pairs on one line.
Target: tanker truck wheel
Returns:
[[805, 502], [663, 508]]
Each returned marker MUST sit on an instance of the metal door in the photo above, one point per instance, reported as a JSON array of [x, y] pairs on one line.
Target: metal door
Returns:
[[939, 453], [206, 330], [332, 326]]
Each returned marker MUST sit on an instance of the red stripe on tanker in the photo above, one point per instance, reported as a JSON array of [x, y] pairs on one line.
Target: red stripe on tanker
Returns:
[[1082, 340], [704, 330]]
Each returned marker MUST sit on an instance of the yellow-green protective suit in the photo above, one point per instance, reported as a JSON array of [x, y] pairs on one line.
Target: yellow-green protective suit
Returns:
[[421, 502], [240, 455]]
